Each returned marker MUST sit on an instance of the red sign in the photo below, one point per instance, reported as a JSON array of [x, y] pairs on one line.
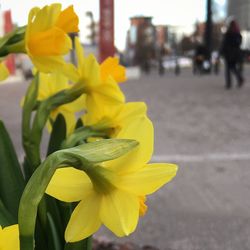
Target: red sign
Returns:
[[106, 31], [8, 26]]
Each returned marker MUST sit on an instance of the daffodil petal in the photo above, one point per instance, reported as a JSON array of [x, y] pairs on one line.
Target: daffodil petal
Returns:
[[111, 67], [111, 90], [141, 130], [9, 237], [90, 71], [103, 97], [4, 72], [148, 179], [48, 64], [69, 184], [69, 117], [85, 219], [45, 18], [50, 84], [120, 212], [68, 20], [131, 111], [71, 72]]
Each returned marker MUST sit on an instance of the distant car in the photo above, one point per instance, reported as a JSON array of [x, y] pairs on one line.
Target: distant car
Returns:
[[24, 64], [171, 62]]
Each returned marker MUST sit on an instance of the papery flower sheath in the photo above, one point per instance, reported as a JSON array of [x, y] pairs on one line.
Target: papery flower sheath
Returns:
[[46, 36], [9, 238], [114, 192]]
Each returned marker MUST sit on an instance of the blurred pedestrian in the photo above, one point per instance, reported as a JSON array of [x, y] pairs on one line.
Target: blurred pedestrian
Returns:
[[216, 62], [230, 50], [199, 59], [160, 55]]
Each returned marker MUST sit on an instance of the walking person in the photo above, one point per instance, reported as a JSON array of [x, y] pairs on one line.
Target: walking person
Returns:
[[231, 52]]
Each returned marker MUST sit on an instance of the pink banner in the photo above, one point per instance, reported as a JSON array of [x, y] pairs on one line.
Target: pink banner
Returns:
[[106, 31], [8, 26]]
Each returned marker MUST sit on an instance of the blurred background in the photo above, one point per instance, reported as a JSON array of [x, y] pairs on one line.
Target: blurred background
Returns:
[[171, 50]]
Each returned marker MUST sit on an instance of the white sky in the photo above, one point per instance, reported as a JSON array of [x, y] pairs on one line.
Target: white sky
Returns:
[[174, 12]]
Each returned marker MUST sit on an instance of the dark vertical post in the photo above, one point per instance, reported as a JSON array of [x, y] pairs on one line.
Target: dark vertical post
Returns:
[[208, 30]]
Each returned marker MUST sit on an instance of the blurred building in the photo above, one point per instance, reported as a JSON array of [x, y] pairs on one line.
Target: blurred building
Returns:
[[190, 42], [240, 9], [140, 40], [145, 40]]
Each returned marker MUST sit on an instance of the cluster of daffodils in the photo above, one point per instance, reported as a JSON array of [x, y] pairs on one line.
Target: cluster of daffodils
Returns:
[[96, 171]]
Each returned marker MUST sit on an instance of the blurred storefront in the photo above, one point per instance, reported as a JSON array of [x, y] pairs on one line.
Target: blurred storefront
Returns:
[[140, 45]]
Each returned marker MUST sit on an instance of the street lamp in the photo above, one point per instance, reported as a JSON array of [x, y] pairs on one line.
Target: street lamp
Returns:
[[208, 30]]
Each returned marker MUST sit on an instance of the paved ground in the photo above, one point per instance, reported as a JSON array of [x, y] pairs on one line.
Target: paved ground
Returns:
[[206, 131]]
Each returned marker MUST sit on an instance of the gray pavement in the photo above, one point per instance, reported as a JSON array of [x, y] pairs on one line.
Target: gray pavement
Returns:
[[203, 128]]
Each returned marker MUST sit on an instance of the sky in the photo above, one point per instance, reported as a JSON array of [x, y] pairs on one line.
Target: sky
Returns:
[[171, 12]]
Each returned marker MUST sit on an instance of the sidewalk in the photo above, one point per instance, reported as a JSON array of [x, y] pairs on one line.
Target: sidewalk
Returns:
[[18, 77]]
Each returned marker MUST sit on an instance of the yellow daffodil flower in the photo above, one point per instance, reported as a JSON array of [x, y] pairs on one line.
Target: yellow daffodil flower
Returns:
[[4, 72], [50, 84], [114, 118], [46, 36], [9, 238], [114, 192], [111, 67], [101, 87]]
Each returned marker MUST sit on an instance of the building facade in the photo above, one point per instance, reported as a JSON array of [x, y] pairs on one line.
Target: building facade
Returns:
[[240, 10]]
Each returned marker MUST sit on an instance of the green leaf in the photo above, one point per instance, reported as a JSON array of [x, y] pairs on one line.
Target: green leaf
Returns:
[[85, 244], [58, 134], [53, 234], [79, 123], [6, 219], [11, 179]]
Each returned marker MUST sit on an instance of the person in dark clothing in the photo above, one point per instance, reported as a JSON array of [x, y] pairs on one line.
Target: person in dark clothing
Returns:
[[199, 59], [231, 52]]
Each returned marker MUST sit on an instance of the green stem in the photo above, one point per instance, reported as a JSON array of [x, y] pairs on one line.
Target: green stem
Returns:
[[88, 243], [81, 134], [29, 104], [18, 47]]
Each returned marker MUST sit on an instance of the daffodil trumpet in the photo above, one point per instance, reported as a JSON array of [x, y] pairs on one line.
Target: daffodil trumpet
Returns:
[[83, 157]]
